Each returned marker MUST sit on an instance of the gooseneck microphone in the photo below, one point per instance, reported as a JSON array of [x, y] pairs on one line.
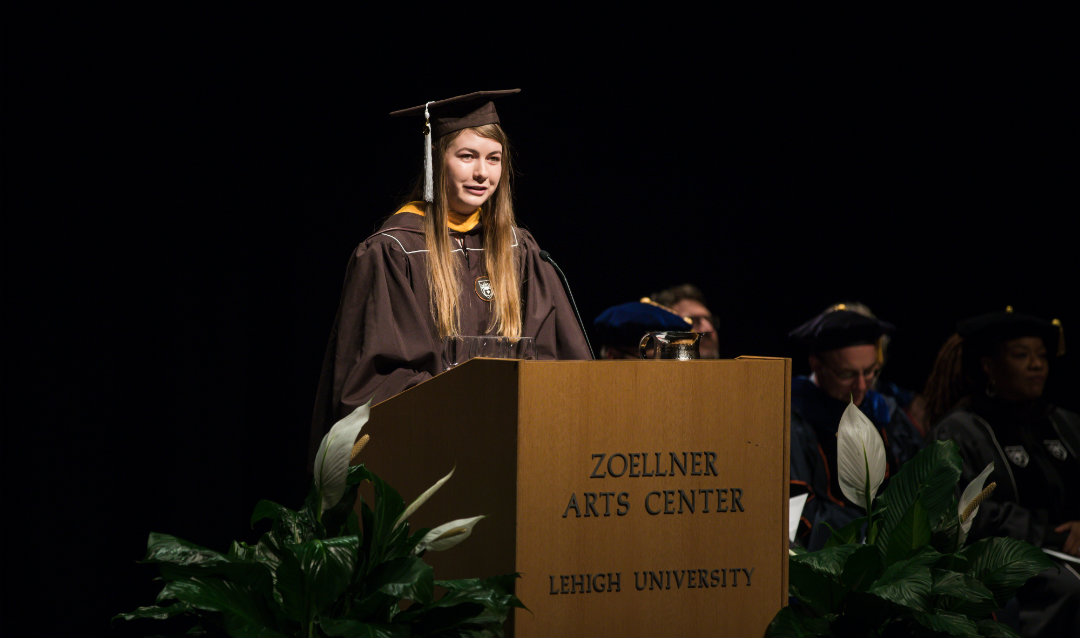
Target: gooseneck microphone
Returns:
[[546, 256]]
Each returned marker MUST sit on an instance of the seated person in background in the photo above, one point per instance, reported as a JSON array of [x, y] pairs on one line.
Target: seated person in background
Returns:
[[619, 329], [913, 403], [688, 301], [985, 392], [844, 354]]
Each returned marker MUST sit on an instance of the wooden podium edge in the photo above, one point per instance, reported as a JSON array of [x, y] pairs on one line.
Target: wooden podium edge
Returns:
[[786, 469]]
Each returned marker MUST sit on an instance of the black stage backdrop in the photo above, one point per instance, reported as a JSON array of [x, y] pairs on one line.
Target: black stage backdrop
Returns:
[[182, 193]]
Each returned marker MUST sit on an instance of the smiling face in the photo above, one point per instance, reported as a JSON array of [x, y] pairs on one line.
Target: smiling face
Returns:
[[1019, 369], [473, 167]]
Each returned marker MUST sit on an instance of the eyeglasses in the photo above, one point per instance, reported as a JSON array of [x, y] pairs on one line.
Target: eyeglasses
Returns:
[[699, 319], [847, 376]]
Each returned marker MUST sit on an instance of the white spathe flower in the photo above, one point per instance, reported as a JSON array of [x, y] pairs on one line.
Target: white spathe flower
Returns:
[[447, 535], [332, 460], [420, 500], [973, 489], [860, 457]]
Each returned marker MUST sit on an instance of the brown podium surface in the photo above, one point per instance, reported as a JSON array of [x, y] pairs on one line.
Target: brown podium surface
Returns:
[[635, 498]]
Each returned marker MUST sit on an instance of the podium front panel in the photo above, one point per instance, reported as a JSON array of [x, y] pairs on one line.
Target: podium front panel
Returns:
[[652, 497]]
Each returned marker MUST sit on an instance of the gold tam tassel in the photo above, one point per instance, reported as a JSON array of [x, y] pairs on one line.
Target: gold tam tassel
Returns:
[[1061, 337], [649, 301]]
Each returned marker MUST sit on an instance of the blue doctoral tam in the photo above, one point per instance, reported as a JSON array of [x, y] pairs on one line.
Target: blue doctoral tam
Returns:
[[625, 324]]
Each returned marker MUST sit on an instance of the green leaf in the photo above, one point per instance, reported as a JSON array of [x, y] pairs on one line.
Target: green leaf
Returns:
[[156, 612], [862, 568], [826, 561], [494, 593], [357, 474], [946, 535], [327, 566], [947, 622], [863, 614], [481, 604], [242, 551], [961, 593], [291, 588], [793, 622], [289, 526], [907, 583], [167, 549], [312, 576], [250, 612], [178, 559], [360, 629], [929, 478], [408, 577], [910, 534], [352, 525], [382, 540], [167, 592], [335, 521], [239, 626], [265, 509], [848, 534], [267, 551], [1004, 564], [815, 577], [429, 620], [994, 629], [342, 585]]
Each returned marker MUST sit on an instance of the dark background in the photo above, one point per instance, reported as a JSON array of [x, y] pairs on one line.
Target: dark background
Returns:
[[181, 193]]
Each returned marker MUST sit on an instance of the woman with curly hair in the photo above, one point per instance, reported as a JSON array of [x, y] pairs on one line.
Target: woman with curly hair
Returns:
[[986, 393]]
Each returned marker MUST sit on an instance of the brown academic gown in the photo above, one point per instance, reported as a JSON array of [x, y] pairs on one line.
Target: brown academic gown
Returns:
[[384, 339]]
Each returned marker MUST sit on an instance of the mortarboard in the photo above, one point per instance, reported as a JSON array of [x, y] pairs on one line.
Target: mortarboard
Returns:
[[985, 331], [453, 114], [625, 324], [839, 327]]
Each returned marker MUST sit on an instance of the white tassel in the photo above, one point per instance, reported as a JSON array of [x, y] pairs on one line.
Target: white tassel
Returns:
[[429, 190]]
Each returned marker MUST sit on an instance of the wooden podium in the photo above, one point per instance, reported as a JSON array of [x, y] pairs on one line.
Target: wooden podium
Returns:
[[635, 498]]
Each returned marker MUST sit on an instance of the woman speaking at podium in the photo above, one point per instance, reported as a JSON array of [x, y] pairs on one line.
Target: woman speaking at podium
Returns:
[[449, 262]]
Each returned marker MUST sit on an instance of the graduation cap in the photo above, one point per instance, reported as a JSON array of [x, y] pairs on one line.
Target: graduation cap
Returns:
[[840, 327], [984, 332], [625, 324], [453, 114]]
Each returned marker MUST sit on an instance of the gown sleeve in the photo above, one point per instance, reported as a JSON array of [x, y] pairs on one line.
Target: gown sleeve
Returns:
[[998, 515], [382, 340], [904, 439], [809, 473], [548, 315]]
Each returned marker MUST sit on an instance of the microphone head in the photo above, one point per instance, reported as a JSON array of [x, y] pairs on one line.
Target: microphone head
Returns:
[[545, 255]]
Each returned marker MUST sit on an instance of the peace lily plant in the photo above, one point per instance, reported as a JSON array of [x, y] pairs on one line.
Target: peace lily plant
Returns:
[[904, 569], [323, 571]]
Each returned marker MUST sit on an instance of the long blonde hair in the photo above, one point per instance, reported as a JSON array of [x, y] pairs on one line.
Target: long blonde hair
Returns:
[[497, 218]]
